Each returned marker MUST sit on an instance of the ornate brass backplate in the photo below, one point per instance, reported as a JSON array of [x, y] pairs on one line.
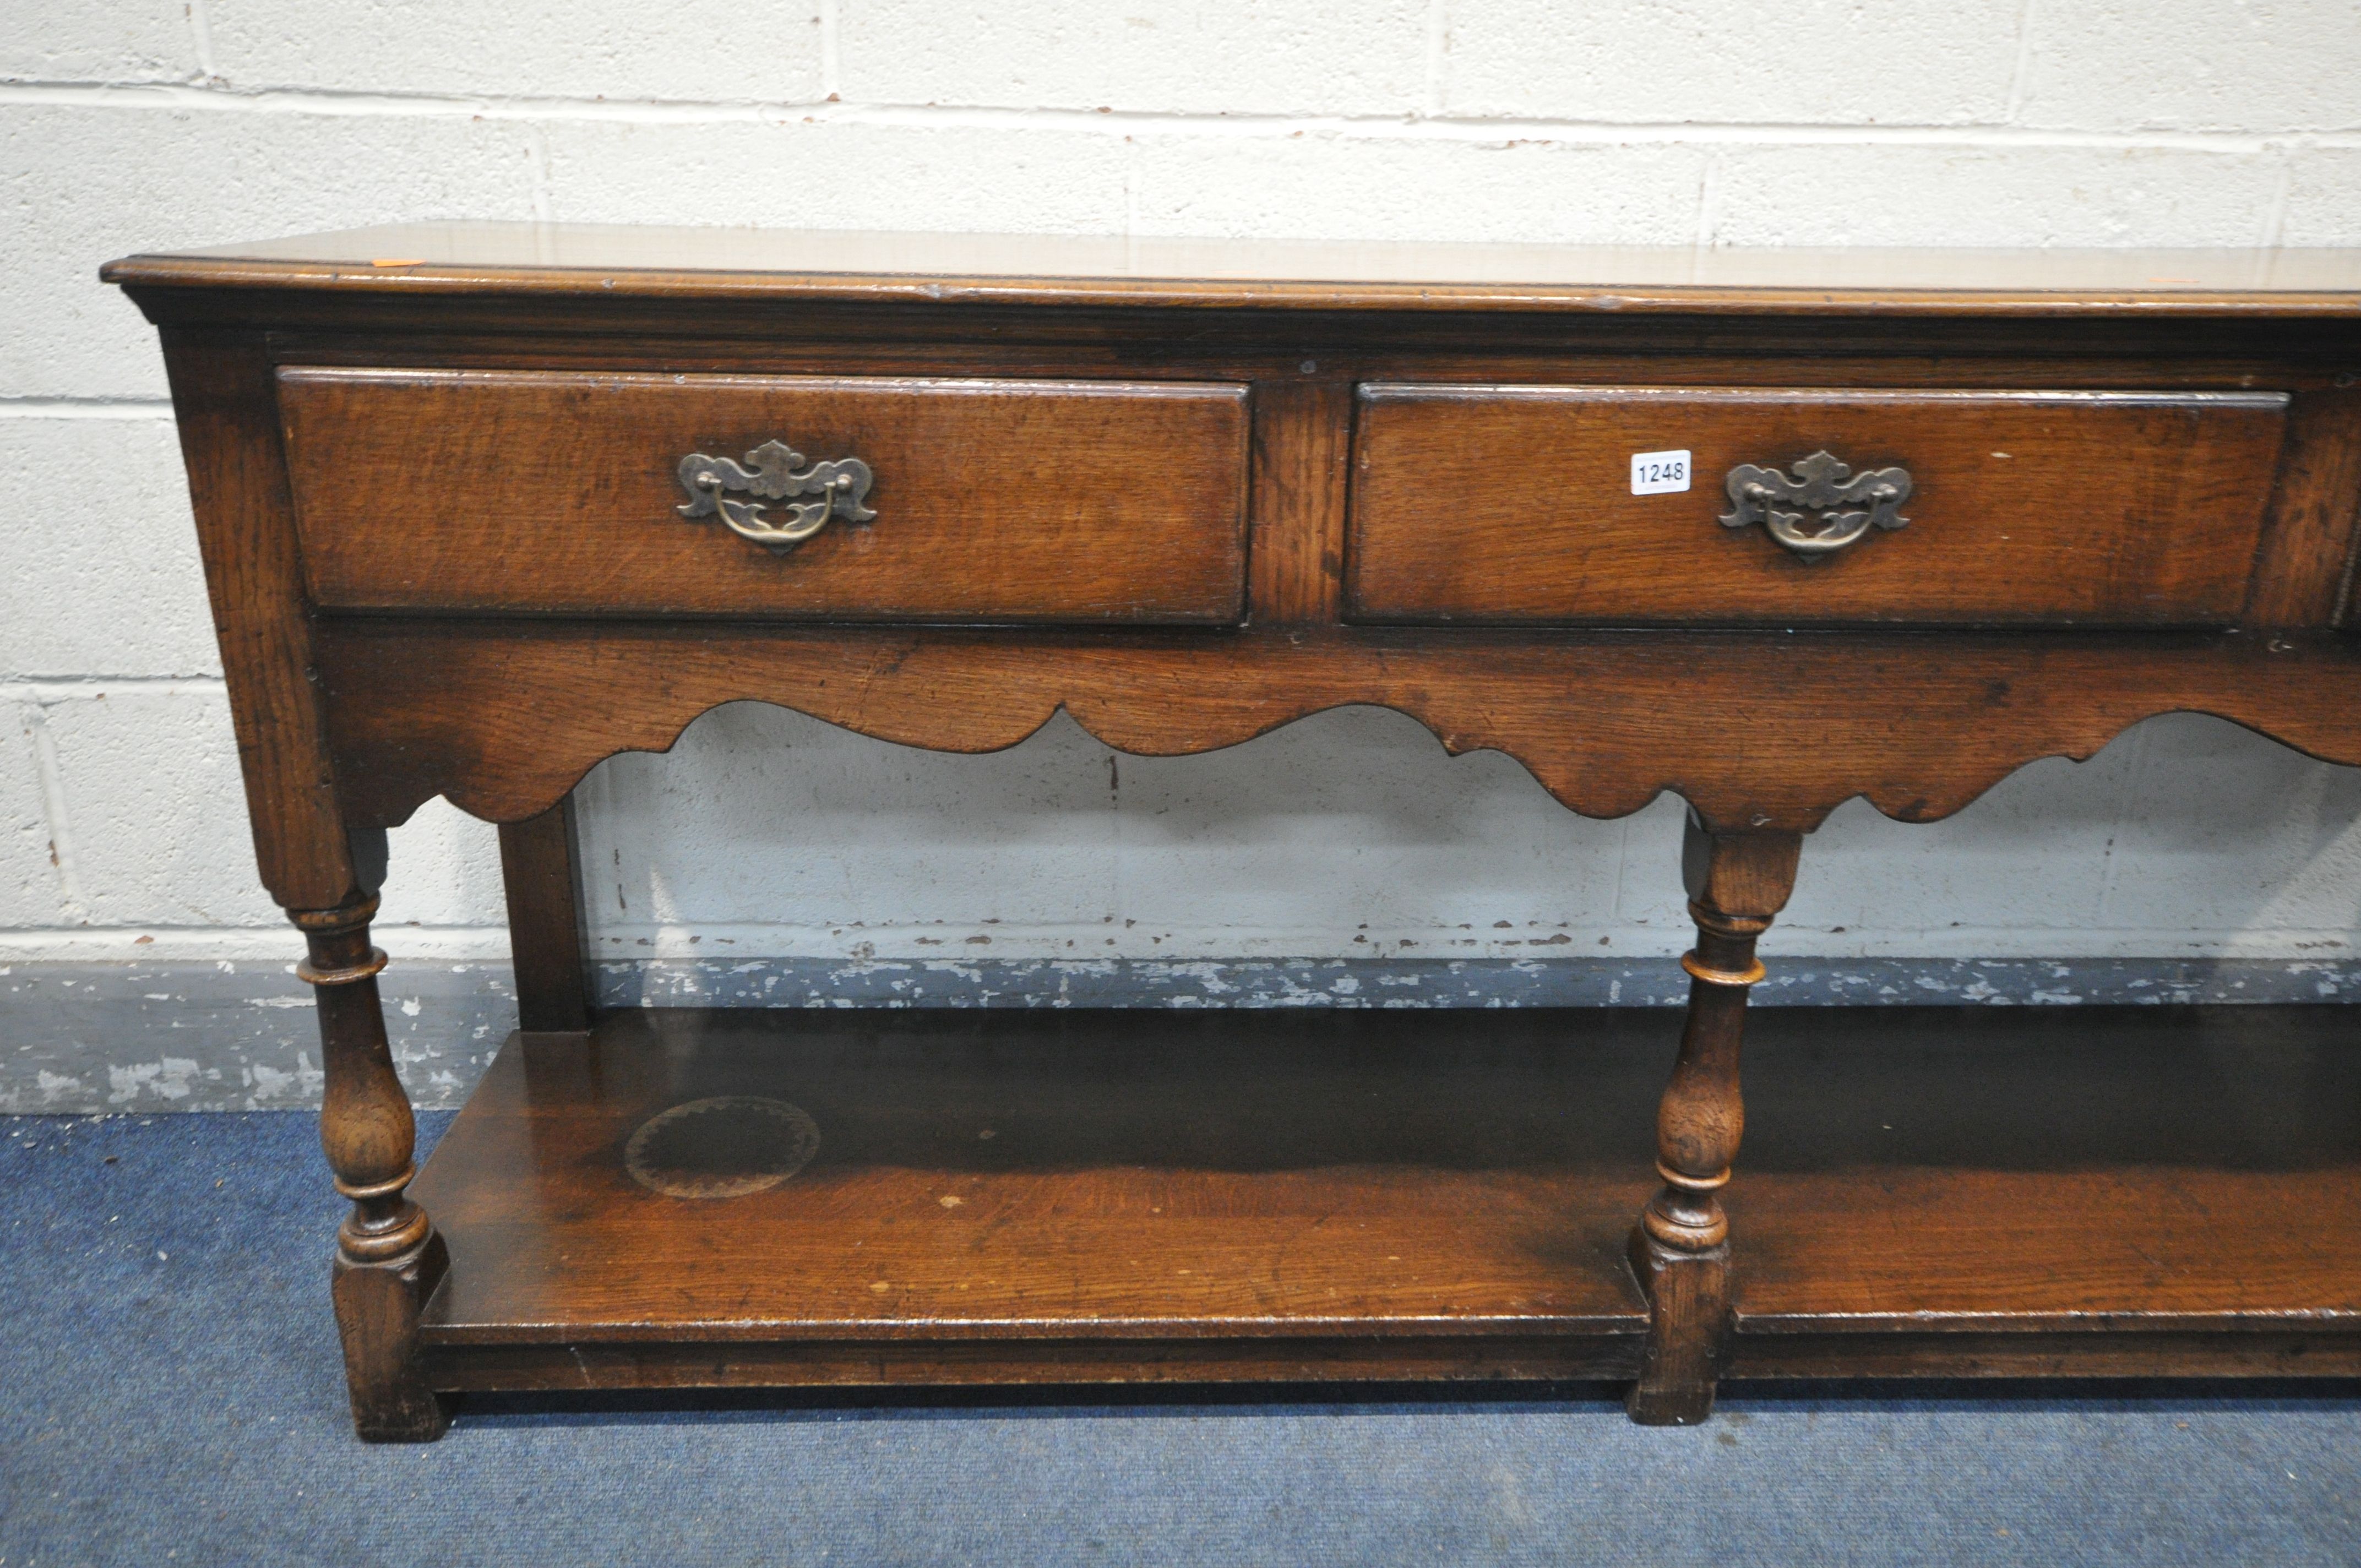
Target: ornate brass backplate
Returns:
[[1819, 483], [770, 472]]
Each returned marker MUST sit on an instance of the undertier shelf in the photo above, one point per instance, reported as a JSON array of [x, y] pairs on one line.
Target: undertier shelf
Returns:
[[715, 1197]]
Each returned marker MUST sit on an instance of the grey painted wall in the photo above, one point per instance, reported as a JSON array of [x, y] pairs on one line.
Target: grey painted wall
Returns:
[[104, 1038], [160, 123]]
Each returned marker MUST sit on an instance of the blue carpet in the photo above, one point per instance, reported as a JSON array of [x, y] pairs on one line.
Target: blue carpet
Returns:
[[175, 1396]]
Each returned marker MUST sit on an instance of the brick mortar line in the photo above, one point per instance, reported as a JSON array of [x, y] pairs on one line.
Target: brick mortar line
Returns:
[[2020, 70], [274, 946], [831, 53], [1405, 127], [44, 689], [48, 782], [86, 407], [201, 35]]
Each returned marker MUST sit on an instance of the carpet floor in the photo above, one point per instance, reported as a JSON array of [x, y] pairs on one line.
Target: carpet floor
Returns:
[[175, 1396]]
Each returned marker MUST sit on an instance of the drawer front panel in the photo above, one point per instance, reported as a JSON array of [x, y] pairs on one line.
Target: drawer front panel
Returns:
[[561, 493], [1518, 504]]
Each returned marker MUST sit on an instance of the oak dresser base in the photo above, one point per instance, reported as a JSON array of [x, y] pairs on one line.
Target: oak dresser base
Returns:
[[482, 505]]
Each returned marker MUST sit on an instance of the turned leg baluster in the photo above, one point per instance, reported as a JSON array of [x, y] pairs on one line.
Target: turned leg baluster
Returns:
[[388, 1258], [1736, 883], [321, 865]]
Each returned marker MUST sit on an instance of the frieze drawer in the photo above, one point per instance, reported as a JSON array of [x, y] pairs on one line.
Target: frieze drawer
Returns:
[[773, 496], [1640, 505]]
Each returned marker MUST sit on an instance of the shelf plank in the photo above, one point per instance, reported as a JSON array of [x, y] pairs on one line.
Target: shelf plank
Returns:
[[1069, 1197], [2051, 1168], [1064, 1176], [2148, 1246]]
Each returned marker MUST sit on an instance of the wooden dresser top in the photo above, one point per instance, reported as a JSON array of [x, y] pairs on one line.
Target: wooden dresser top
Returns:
[[609, 259]]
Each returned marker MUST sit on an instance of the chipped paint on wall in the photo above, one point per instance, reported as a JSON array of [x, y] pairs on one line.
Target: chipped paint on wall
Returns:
[[77, 1038], [1455, 982], [81, 1037]]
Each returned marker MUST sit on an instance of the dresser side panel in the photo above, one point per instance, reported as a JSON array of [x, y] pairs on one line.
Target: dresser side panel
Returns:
[[224, 399]]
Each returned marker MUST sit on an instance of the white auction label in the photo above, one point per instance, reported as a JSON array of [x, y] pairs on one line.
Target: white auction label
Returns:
[[1659, 473]]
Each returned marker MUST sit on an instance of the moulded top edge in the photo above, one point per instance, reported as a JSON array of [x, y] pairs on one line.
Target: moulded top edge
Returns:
[[1571, 392], [585, 259]]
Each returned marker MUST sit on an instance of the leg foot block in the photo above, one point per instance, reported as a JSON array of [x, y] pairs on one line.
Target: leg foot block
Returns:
[[377, 1306], [1688, 1314]]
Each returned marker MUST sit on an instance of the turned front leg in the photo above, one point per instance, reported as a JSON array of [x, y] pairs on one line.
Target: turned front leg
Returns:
[[388, 1258], [1736, 883]]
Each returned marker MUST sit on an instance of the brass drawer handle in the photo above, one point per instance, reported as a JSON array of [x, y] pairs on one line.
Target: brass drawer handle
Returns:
[[1819, 483], [770, 472]]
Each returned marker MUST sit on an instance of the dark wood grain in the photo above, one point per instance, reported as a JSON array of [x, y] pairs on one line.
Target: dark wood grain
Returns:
[[505, 720], [1386, 1195], [388, 1258], [1301, 455], [224, 404], [1003, 1177], [543, 884], [722, 336], [2288, 1350], [2170, 1257], [2306, 561], [1681, 1247], [1509, 504], [1038, 1359], [995, 501]]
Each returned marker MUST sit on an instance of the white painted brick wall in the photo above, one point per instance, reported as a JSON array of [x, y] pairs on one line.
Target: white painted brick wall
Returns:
[[889, 175], [157, 123], [99, 579], [1182, 57], [2233, 66], [682, 50], [1352, 185], [30, 897], [1823, 62], [103, 174], [2323, 198], [1962, 195], [98, 40]]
